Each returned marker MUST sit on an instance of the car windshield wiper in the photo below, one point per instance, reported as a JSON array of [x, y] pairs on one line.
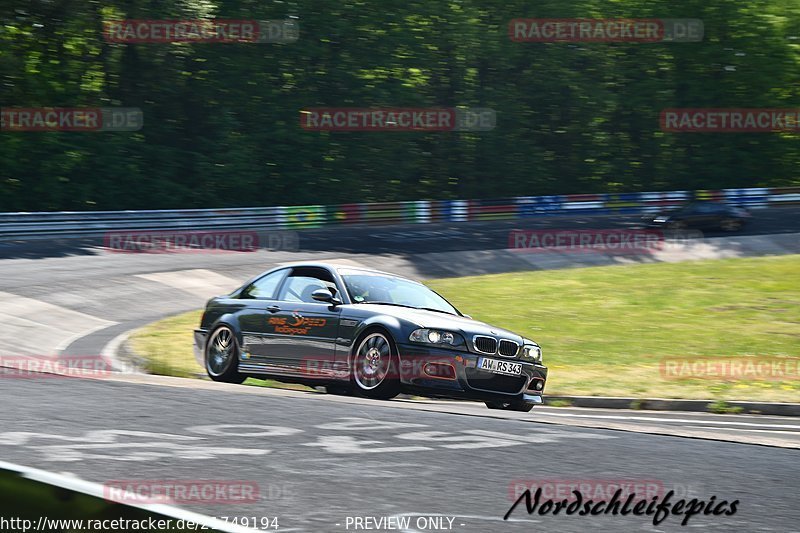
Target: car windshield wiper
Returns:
[[410, 307]]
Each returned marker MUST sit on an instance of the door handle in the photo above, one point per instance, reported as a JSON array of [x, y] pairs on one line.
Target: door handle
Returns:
[[273, 308]]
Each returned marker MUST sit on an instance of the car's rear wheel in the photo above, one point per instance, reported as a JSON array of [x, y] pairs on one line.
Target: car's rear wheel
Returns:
[[222, 354], [375, 364], [730, 224], [513, 405]]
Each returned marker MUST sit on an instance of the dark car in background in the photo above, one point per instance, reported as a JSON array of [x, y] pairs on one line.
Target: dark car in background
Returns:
[[367, 332], [701, 215]]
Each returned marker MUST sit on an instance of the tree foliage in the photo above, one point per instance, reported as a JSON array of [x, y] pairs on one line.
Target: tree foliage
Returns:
[[222, 120]]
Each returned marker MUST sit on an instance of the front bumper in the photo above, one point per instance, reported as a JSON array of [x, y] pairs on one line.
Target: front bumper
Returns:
[[426, 369]]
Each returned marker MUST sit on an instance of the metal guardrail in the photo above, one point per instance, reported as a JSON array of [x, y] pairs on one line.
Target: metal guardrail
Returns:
[[76, 224]]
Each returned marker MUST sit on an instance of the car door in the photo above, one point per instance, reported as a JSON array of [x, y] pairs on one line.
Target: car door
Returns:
[[302, 332], [257, 297]]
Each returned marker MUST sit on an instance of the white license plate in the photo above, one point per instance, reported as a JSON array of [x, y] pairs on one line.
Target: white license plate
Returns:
[[500, 367]]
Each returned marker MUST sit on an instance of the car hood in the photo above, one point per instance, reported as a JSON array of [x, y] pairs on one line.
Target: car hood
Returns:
[[434, 320]]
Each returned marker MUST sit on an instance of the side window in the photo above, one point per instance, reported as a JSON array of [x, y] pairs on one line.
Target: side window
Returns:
[[264, 288], [303, 282]]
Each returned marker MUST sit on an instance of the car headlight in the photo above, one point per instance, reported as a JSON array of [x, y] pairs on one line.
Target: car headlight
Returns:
[[532, 352], [435, 336]]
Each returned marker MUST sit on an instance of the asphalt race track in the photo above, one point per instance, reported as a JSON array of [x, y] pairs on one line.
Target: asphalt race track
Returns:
[[319, 459]]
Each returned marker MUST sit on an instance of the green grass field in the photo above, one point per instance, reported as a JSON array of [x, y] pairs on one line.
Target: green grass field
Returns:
[[604, 330]]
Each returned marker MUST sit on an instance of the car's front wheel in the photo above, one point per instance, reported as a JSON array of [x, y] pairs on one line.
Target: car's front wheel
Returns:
[[222, 354], [375, 366], [513, 405]]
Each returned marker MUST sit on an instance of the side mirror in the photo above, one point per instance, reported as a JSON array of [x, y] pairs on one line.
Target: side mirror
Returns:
[[324, 295]]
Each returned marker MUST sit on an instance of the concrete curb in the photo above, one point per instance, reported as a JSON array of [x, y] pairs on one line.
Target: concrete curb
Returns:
[[669, 404]]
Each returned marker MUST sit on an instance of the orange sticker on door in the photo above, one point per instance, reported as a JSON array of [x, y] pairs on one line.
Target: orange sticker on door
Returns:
[[301, 326]]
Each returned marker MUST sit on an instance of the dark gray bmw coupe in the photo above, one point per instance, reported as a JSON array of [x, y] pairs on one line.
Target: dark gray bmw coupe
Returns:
[[366, 332]]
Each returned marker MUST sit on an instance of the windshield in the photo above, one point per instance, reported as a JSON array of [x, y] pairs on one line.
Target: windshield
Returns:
[[365, 287]]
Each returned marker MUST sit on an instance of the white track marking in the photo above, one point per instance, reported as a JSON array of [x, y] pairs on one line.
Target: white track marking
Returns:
[[463, 442], [34, 327], [139, 451], [250, 430], [359, 424], [665, 419], [550, 434], [351, 445], [200, 282], [119, 446], [747, 430], [111, 353], [341, 261], [102, 436]]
